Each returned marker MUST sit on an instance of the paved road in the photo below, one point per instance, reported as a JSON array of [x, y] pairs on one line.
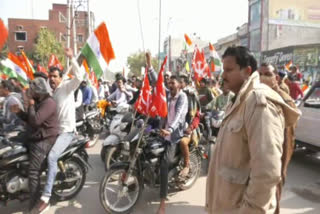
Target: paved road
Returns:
[[301, 194]]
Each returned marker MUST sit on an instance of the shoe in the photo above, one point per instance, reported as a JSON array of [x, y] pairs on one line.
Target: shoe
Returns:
[[43, 207]]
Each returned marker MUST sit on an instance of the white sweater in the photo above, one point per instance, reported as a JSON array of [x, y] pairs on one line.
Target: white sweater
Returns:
[[64, 97]]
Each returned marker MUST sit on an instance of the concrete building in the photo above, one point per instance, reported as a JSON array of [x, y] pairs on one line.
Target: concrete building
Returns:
[[275, 24], [23, 32]]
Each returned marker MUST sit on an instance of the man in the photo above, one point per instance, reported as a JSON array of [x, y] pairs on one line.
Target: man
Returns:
[[224, 99], [214, 88], [294, 87], [297, 76], [281, 81], [86, 93], [8, 119], [121, 95], [101, 90], [114, 85], [173, 132], [42, 119], [191, 134], [205, 94], [245, 168], [63, 94], [270, 76]]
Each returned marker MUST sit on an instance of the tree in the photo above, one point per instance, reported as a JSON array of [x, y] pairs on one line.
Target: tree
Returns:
[[4, 51], [47, 44], [138, 60]]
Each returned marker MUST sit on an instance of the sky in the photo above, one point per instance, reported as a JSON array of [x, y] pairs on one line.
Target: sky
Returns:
[[209, 19]]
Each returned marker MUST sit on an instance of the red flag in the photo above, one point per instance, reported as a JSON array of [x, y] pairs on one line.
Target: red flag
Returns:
[[143, 102], [159, 97], [54, 61], [200, 66], [188, 40], [94, 79], [42, 69], [28, 66], [3, 34]]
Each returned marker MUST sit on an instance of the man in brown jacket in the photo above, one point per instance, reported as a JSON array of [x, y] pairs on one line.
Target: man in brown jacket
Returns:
[[245, 167], [269, 75]]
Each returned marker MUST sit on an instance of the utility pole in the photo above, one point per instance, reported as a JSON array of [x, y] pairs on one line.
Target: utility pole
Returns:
[[68, 29], [74, 29], [159, 33], [89, 18]]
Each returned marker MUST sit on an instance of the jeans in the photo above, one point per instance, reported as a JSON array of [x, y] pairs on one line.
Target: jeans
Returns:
[[37, 155], [165, 165], [62, 142]]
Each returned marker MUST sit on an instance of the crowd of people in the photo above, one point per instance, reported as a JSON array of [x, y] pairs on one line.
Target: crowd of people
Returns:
[[253, 148]]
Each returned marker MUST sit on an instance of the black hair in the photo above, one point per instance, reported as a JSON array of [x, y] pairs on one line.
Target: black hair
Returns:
[[204, 80], [267, 64], [13, 78], [185, 79], [53, 69], [41, 74], [174, 77], [7, 85], [244, 57]]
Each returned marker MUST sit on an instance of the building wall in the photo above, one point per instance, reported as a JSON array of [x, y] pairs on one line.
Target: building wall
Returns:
[[56, 24], [286, 35]]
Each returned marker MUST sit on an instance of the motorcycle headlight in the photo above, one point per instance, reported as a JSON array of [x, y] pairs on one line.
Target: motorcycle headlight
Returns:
[[126, 145]]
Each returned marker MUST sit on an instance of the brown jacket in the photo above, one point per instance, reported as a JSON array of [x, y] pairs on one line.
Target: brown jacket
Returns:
[[288, 146], [245, 168]]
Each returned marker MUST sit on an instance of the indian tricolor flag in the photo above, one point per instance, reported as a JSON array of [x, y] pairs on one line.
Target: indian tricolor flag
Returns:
[[12, 67], [215, 61], [98, 50]]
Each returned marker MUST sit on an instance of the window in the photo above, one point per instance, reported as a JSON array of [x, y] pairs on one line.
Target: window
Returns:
[[255, 15], [63, 37], [21, 36], [79, 38], [62, 18], [255, 40]]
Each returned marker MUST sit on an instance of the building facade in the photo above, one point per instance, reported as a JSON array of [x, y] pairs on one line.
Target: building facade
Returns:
[[23, 32]]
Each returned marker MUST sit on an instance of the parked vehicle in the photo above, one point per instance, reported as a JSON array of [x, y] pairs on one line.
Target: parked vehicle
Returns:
[[90, 126], [124, 182], [307, 131], [14, 163]]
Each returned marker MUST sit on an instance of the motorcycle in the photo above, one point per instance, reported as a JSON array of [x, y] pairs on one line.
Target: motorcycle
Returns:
[[90, 125], [212, 122], [124, 181], [14, 162], [119, 127]]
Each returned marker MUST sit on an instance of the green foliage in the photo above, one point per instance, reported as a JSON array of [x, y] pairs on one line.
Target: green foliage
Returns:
[[4, 51], [138, 60], [47, 44]]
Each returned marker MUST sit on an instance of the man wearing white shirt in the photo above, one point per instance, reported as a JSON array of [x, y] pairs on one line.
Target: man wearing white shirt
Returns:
[[121, 95], [63, 94], [101, 90]]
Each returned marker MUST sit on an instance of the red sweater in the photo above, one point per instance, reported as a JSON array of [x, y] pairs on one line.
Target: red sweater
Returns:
[[295, 90]]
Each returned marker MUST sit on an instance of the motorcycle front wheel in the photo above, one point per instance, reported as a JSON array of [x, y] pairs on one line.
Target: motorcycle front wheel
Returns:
[[115, 196], [67, 186]]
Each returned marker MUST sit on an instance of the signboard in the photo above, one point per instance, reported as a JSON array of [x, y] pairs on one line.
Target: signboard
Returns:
[[278, 57], [295, 11], [306, 56]]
